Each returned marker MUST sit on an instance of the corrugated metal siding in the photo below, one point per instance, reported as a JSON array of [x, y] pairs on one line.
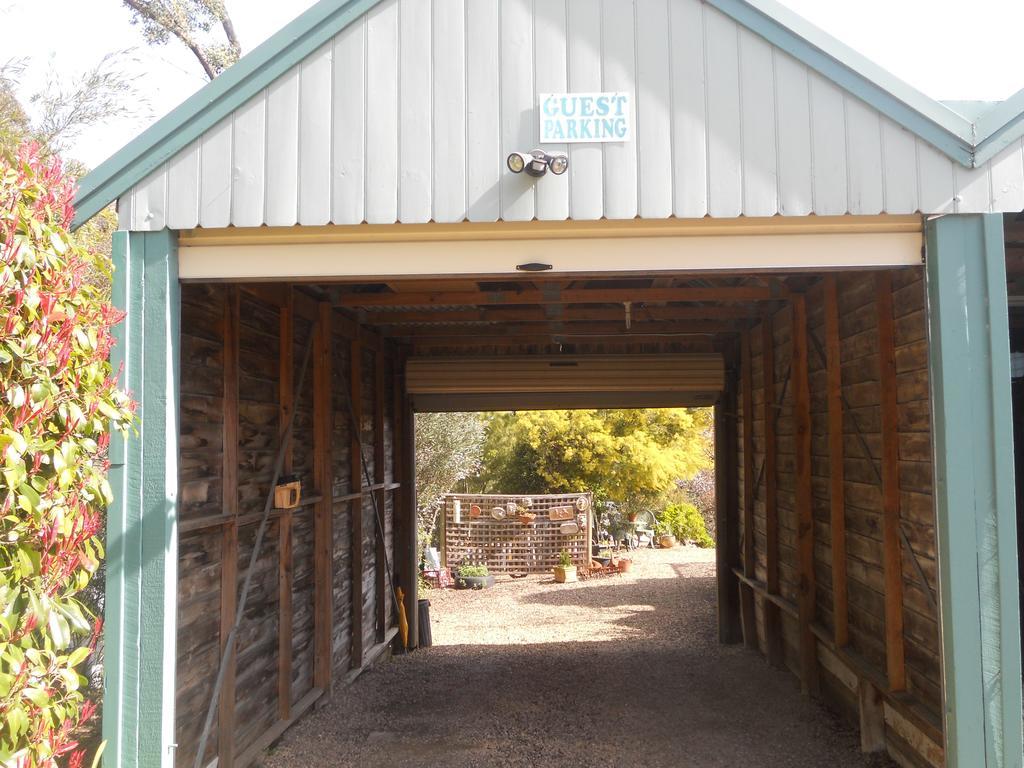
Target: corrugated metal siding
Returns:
[[408, 114]]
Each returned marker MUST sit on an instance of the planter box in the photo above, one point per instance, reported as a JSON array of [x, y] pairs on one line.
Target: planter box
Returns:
[[565, 574], [474, 582], [667, 541]]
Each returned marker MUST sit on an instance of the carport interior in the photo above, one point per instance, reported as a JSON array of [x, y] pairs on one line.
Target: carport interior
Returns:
[[827, 548]]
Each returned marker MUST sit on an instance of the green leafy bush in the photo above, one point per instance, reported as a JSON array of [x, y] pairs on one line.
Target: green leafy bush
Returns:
[[471, 571], [683, 520], [58, 401], [564, 559]]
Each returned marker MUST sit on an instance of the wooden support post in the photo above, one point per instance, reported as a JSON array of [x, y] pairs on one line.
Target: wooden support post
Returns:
[[409, 543], [399, 534], [976, 525], [356, 487], [140, 628], [837, 500], [772, 613], [804, 513], [285, 567], [378, 469], [727, 514], [323, 535], [871, 706], [892, 559], [229, 542], [747, 609]]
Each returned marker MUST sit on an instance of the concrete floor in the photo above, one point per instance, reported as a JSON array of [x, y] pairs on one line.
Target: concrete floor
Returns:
[[620, 671]]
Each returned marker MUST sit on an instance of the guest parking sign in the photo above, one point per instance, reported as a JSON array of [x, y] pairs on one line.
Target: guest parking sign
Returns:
[[572, 118]]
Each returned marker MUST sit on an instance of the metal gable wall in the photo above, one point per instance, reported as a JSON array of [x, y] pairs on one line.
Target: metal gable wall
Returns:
[[408, 114]]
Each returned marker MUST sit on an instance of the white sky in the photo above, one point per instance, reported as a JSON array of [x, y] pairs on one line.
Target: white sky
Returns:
[[945, 48]]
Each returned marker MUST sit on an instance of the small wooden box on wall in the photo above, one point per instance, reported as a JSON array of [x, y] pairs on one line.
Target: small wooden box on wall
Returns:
[[288, 494]]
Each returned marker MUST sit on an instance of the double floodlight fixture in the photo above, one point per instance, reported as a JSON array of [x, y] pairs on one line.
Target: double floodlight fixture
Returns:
[[537, 163]]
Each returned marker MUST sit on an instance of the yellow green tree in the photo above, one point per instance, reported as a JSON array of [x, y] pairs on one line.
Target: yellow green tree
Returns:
[[631, 457]]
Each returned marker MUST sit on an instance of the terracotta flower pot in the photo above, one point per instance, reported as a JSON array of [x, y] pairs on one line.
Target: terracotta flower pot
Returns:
[[624, 565], [666, 541]]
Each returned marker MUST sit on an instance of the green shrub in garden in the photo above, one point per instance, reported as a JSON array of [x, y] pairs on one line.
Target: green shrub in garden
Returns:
[[684, 521], [58, 401]]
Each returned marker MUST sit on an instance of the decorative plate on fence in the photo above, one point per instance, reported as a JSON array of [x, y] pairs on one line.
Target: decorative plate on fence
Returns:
[[583, 503], [474, 511], [569, 529], [561, 513], [498, 513]]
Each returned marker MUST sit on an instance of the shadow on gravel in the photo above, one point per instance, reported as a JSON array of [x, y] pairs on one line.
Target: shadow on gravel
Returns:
[[660, 694]]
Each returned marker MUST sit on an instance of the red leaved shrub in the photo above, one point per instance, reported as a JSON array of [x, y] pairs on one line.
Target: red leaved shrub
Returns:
[[58, 403]]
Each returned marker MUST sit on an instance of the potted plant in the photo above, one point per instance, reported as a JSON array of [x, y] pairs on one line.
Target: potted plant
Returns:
[[565, 571], [473, 577], [663, 535]]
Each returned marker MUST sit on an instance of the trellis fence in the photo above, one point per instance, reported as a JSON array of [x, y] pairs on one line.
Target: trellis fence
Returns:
[[474, 531]]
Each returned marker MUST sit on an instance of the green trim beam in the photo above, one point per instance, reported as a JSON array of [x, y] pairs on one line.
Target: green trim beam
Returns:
[[214, 102], [141, 587], [974, 491]]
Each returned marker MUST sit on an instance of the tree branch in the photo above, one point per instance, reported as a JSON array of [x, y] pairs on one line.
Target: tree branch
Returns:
[[146, 13]]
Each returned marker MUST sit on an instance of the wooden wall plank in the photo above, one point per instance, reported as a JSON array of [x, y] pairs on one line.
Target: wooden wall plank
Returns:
[[837, 502], [348, 170], [550, 52], [315, 86], [760, 169], [806, 591], [215, 184], [416, 155], [449, 107], [356, 511], [285, 566], [793, 128], [586, 161], [381, 595], [725, 193], [249, 143], [899, 191], [483, 132], [229, 546], [517, 94], [689, 125], [654, 103], [747, 608], [864, 157], [770, 470], [183, 177], [283, 136], [727, 514], [381, 160], [828, 146], [323, 538], [892, 556], [619, 68]]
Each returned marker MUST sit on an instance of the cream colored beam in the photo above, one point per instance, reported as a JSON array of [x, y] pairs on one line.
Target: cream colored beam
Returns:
[[390, 259], [550, 230]]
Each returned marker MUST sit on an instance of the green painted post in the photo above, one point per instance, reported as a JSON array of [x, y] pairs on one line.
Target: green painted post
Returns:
[[974, 491], [139, 635]]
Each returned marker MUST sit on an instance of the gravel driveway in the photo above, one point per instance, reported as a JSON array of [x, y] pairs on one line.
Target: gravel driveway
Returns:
[[619, 671]]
